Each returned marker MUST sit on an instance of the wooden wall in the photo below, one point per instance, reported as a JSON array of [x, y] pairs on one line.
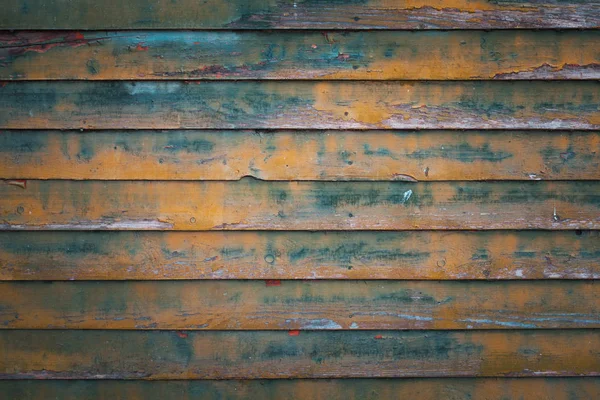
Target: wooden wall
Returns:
[[267, 189]]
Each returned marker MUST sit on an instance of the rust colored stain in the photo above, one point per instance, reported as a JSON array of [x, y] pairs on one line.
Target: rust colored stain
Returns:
[[182, 334], [294, 333], [273, 282]]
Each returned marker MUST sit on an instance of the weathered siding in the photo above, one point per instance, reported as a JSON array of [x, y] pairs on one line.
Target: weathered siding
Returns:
[[318, 389], [250, 204], [300, 105], [273, 304], [106, 354], [426, 255], [302, 14], [153, 55], [301, 155], [294, 199]]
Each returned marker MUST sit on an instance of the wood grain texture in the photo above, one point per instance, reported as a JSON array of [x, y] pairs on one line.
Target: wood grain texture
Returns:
[[302, 14], [425, 55], [250, 204], [300, 155], [317, 389], [299, 255], [76, 354], [300, 105], [292, 305]]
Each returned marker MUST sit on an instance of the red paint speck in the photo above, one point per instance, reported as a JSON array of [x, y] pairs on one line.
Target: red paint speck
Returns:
[[79, 36], [273, 282], [378, 337], [182, 335], [141, 47], [18, 182], [294, 333]]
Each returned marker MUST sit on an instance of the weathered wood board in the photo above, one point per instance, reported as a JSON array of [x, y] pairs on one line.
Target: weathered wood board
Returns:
[[300, 105], [77, 354], [250, 204], [267, 190], [300, 14], [317, 389], [300, 155], [299, 255], [291, 305], [426, 55]]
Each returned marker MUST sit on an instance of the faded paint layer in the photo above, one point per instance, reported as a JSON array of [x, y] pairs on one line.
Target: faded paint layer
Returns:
[[321, 389], [300, 105], [300, 155], [249, 204], [76, 354], [426, 55], [298, 255], [301, 14], [290, 305]]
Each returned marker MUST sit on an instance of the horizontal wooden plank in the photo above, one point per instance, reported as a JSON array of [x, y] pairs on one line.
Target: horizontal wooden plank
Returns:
[[299, 255], [292, 305], [317, 389], [300, 155], [250, 204], [425, 55], [301, 14], [75, 354], [300, 105]]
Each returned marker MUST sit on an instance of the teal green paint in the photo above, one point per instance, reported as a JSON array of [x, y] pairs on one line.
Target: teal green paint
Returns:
[[179, 141], [173, 254], [525, 254], [463, 152], [17, 142], [480, 254], [93, 66], [406, 296], [350, 252], [578, 193], [330, 196], [112, 301], [475, 193], [233, 252], [346, 156], [86, 148], [381, 152]]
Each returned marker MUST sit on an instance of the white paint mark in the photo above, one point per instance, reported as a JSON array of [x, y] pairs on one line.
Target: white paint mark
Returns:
[[152, 87], [354, 325], [519, 273], [322, 323], [102, 224], [501, 323], [407, 195], [414, 317]]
